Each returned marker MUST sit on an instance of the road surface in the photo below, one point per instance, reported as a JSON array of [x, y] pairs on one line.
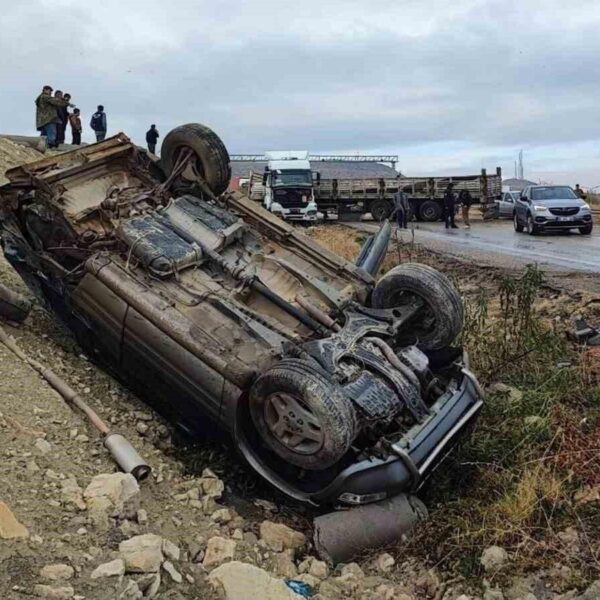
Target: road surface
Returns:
[[496, 242]]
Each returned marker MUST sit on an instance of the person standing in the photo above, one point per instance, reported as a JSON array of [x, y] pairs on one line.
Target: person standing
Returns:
[[46, 116], [75, 121], [62, 116], [152, 136], [402, 209], [98, 123], [579, 191], [465, 199], [449, 206]]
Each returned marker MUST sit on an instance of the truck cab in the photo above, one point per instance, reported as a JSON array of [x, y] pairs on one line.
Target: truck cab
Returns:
[[288, 186]]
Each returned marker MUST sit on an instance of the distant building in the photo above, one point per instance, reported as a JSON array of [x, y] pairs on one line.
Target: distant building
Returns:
[[516, 185], [329, 169]]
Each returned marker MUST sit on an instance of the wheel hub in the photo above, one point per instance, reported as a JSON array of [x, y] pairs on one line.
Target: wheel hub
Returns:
[[293, 424]]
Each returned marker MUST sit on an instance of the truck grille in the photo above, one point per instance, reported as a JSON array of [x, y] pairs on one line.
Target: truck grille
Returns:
[[565, 212], [292, 198]]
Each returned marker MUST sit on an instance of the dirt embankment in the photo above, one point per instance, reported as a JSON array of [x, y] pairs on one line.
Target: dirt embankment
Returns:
[[204, 527]]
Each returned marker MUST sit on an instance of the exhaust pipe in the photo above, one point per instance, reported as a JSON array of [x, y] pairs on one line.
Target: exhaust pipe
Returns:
[[374, 249], [126, 456], [342, 535]]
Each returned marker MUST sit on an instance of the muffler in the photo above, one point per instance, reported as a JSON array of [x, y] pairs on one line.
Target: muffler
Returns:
[[342, 535]]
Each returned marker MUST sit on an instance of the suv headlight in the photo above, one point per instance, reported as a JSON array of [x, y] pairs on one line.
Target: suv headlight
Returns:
[[539, 207], [584, 206]]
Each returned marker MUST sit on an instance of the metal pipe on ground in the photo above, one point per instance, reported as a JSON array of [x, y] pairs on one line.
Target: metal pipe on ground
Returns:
[[123, 453], [13, 306], [371, 258], [342, 535]]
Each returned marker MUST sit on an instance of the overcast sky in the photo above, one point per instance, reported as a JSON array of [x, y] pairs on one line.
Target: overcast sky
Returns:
[[448, 86]]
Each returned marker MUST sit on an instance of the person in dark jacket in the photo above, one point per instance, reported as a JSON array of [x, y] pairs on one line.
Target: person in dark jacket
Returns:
[[152, 136], [449, 206], [98, 123], [464, 197], [62, 115], [402, 209], [579, 191]]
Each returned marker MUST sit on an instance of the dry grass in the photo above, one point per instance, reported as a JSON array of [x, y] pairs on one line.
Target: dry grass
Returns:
[[513, 481]]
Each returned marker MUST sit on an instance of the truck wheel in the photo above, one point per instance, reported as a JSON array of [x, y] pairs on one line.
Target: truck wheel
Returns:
[[441, 320], [380, 210], [430, 211], [212, 159], [301, 415]]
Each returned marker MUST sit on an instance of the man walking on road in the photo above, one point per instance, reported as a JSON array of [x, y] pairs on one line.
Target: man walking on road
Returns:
[[465, 200], [75, 121], [152, 136], [449, 206], [46, 116], [98, 123], [402, 209]]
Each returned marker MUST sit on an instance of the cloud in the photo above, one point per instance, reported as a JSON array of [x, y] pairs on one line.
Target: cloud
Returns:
[[444, 85]]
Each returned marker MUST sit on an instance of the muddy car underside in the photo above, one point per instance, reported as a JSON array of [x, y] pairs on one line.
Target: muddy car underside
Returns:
[[335, 387]]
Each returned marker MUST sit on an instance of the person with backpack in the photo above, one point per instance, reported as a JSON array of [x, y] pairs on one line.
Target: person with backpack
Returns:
[[98, 123], [464, 197], [152, 136]]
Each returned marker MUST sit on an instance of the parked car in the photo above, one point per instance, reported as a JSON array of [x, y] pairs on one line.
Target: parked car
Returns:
[[336, 386], [506, 204], [551, 207]]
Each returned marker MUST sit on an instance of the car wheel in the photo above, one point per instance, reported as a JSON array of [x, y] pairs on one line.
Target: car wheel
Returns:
[[441, 319], [586, 230], [518, 227], [530, 226], [212, 159], [302, 415], [380, 210], [430, 211]]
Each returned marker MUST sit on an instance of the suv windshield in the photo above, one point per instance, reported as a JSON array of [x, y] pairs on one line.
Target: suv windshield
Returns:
[[553, 193], [292, 177]]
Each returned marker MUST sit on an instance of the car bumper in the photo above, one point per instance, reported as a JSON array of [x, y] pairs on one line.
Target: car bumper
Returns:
[[563, 222], [417, 453], [411, 459]]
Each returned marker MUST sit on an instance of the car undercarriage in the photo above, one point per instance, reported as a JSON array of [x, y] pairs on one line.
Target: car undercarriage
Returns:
[[337, 387]]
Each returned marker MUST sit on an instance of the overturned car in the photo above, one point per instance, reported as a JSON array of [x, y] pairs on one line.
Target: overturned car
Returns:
[[336, 387]]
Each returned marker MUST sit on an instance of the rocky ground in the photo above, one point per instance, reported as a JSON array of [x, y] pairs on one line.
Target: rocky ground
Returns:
[[201, 527]]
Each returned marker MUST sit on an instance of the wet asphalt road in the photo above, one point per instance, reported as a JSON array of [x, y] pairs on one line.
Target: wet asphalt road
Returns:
[[496, 242]]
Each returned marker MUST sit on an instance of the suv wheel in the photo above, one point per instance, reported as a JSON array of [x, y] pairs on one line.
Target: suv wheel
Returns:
[[302, 415], [441, 320], [586, 230], [531, 227], [518, 227]]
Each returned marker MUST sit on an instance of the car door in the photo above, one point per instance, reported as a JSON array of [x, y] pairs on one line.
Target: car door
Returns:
[[521, 206], [506, 205]]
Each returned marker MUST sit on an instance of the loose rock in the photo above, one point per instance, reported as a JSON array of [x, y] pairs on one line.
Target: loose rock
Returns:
[[142, 553], [114, 568], [57, 572], [280, 537], [54, 593], [493, 558], [43, 446], [172, 571], [72, 493], [241, 581], [384, 562], [218, 550], [10, 528], [170, 550]]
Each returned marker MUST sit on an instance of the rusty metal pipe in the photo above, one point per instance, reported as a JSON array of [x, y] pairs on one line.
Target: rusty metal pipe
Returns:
[[342, 535], [317, 313], [396, 362], [120, 449]]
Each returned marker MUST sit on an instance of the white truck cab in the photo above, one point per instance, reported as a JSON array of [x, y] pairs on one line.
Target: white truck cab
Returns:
[[288, 186]]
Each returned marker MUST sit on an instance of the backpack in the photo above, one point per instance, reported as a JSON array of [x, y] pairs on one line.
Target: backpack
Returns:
[[96, 122]]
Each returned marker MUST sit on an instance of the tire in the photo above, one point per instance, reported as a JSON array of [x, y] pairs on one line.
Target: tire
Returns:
[[587, 230], [443, 318], [380, 210], [518, 227], [531, 227], [212, 157], [298, 389], [430, 211]]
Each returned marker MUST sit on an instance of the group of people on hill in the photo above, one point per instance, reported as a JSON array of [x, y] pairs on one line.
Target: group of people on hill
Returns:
[[402, 208], [52, 117]]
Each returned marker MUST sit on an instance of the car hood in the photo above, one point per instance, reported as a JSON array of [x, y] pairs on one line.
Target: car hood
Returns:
[[565, 203]]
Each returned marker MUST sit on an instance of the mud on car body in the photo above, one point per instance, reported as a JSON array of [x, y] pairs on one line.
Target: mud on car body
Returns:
[[335, 386]]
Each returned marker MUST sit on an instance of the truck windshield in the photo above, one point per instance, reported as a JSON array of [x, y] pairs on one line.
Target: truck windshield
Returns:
[[292, 177], [561, 192]]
